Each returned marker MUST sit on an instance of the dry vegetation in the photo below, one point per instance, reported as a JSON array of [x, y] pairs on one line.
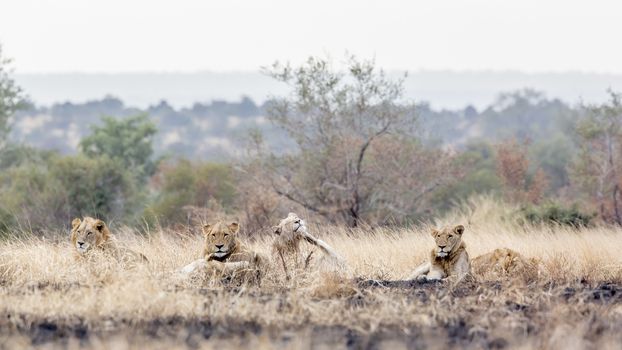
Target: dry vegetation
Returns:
[[48, 299]]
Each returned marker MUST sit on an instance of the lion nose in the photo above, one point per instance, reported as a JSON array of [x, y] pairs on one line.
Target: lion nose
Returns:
[[80, 244], [219, 246], [442, 246]]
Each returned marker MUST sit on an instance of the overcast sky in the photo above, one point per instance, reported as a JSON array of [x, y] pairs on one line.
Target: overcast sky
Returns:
[[185, 35]]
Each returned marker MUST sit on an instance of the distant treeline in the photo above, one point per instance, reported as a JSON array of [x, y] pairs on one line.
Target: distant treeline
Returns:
[[216, 130], [343, 146]]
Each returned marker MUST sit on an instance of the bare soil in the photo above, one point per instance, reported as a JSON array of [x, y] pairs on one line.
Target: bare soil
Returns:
[[597, 319]]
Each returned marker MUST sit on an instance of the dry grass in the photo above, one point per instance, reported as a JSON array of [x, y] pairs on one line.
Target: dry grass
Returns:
[[48, 299]]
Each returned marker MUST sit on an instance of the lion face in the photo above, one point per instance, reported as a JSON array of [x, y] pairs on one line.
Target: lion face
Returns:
[[447, 239], [220, 239], [88, 233], [292, 223]]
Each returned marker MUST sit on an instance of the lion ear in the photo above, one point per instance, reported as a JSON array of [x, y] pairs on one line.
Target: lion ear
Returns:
[[276, 229], [459, 229], [433, 232], [206, 229], [234, 227], [99, 225], [75, 223]]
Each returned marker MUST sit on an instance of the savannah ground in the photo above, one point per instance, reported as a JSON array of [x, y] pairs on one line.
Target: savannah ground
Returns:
[[50, 300]]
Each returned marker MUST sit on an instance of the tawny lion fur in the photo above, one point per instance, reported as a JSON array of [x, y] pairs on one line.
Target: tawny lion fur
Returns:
[[224, 253], [291, 231], [505, 262], [91, 234], [448, 259]]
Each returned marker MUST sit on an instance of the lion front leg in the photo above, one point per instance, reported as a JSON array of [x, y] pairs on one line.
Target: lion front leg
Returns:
[[224, 268], [193, 266], [284, 265], [421, 271], [462, 268], [435, 274]]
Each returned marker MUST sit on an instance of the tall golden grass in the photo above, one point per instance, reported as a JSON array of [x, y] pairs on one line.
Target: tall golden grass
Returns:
[[48, 298]]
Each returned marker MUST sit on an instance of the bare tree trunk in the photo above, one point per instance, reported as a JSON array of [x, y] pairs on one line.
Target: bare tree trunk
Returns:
[[616, 209], [356, 205], [614, 177], [354, 213]]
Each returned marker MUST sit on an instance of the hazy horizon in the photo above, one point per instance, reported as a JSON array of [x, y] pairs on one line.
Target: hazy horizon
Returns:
[[459, 53], [442, 89]]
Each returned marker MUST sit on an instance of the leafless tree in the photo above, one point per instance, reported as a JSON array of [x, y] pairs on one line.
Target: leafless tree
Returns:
[[598, 169], [357, 155]]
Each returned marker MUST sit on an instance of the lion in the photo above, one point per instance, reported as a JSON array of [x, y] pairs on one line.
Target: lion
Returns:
[[291, 231], [448, 259], [505, 262], [91, 234], [224, 253]]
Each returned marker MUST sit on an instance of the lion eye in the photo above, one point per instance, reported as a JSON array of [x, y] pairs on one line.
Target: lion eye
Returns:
[[213, 235], [89, 233], [450, 236], [226, 235]]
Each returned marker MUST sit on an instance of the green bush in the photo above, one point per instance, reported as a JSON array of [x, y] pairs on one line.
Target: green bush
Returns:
[[190, 184], [29, 197], [43, 195], [42, 190], [554, 213], [99, 187], [477, 176], [126, 140]]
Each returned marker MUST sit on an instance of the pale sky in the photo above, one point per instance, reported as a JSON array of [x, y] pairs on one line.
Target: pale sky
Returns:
[[194, 35]]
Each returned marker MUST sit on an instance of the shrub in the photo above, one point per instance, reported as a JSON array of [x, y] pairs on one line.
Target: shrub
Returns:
[[183, 184], [29, 198], [127, 140], [43, 195], [554, 213], [99, 187], [513, 170]]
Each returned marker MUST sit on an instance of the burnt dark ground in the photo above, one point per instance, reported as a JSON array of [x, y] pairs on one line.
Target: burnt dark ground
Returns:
[[457, 332]]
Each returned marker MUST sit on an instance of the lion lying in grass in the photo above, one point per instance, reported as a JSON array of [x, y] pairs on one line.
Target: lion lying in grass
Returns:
[[291, 231], [505, 262], [224, 253], [91, 234], [448, 259]]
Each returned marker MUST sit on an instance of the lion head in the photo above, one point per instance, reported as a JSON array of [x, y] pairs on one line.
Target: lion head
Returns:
[[88, 233], [220, 239], [447, 239], [287, 230], [291, 224]]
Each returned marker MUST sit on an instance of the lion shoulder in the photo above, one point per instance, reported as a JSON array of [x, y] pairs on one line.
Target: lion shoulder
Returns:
[[245, 253], [504, 261]]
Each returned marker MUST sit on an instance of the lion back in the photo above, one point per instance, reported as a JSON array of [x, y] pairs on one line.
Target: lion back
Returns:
[[505, 262]]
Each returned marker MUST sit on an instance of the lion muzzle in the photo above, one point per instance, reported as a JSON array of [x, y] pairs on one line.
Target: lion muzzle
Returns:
[[219, 253], [441, 252], [298, 224], [82, 247]]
